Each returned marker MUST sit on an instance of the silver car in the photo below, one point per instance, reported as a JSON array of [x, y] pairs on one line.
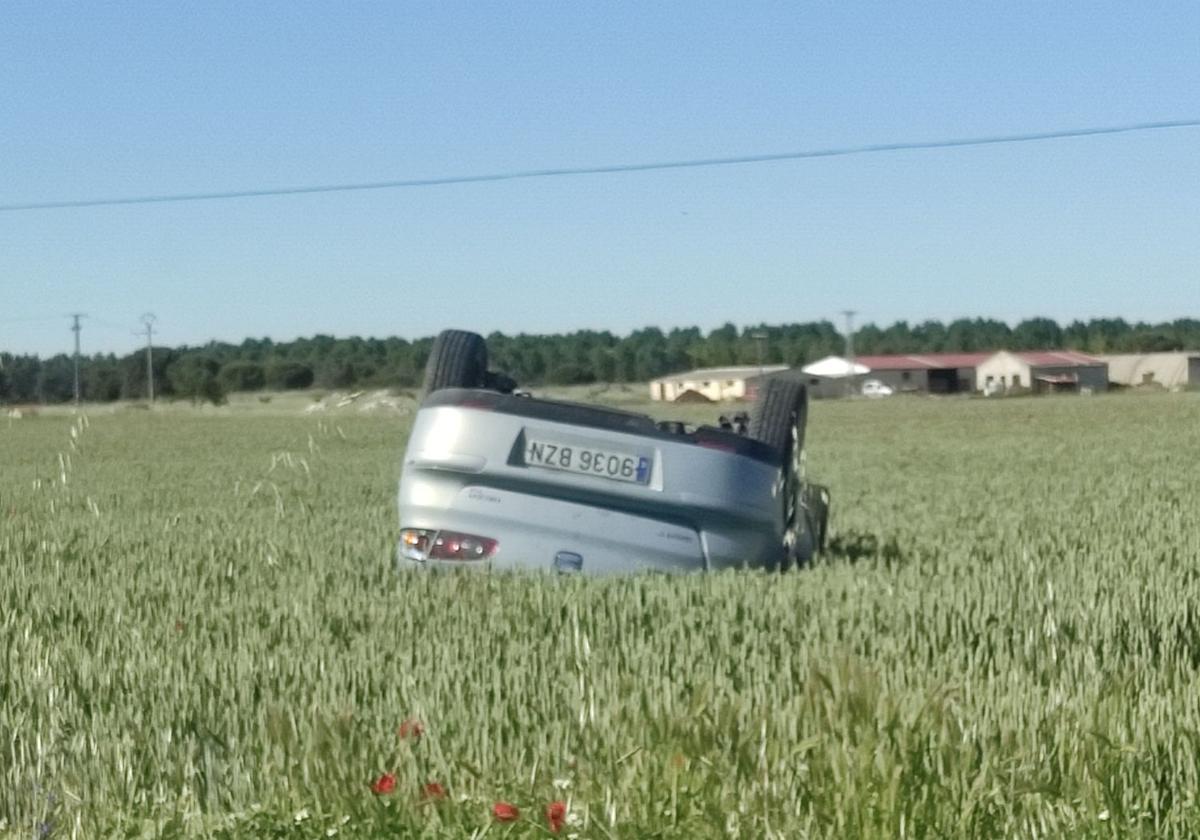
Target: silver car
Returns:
[[494, 478]]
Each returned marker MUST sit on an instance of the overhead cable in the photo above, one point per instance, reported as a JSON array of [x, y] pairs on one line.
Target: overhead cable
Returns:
[[599, 170]]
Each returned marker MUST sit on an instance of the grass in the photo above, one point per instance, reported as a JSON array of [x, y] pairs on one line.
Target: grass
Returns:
[[202, 635]]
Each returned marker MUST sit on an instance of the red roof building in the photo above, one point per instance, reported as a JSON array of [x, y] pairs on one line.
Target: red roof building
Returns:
[[1042, 371], [949, 373], [936, 373], [1056, 358], [922, 361]]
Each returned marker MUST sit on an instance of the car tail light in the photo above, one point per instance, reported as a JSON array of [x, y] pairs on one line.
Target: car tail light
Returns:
[[414, 543], [450, 545], [422, 544]]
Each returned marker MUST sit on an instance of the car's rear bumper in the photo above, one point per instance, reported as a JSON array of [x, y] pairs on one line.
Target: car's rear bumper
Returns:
[[550, 534]]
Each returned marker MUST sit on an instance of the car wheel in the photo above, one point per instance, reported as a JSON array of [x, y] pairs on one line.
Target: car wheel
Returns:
[[803, 549], [779, 419], [780, 414], [800, 536], [819, 504], [458, 359], [805, 538]]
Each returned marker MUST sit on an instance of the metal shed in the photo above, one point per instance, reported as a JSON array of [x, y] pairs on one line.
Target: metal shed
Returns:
[[1173, 371]]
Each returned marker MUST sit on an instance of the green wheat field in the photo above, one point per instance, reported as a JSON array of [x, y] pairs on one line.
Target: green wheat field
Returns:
[[202, 634]]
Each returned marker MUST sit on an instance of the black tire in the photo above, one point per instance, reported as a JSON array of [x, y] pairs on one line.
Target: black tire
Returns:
[[458, 359], [803, 551], [809, 530], [816, 520], [779, 419], [819, 501], [782, 405]]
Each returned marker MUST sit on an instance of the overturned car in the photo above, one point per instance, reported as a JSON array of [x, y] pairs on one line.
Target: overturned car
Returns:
[[495, 478]]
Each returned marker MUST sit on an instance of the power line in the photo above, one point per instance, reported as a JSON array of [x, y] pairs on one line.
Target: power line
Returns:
[[29, 320], [94, 321], [109, 324], [601, 170]]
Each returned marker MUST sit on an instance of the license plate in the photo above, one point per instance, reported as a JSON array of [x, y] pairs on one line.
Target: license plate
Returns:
[[587, 460]]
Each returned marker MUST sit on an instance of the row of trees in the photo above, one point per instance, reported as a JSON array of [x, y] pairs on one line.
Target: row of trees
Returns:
[[211, 371]]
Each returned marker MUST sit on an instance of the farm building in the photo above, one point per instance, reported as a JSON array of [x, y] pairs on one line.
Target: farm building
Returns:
[[833, 376], [934, 373], [1041, 372], [1173, 371], [727, 383]]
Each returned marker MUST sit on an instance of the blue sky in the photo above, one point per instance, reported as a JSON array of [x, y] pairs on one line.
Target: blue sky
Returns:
[[103, 100]]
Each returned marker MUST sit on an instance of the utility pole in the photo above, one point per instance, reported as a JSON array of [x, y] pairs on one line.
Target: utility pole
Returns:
[[850, 313], [75, 328], [148, 320], [761, 338]]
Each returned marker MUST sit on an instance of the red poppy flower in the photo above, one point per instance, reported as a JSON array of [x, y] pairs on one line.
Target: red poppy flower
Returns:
[[556, 815], [505, 812], [385, 784], [411, 728], [433, 790]]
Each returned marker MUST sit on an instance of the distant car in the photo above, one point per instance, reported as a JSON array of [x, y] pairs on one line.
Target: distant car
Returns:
[[494, 478], [875, 388]]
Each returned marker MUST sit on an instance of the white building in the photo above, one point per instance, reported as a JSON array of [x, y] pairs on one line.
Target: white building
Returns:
[[834, 367], [1041, 372], [1173, 371], [716, 384]]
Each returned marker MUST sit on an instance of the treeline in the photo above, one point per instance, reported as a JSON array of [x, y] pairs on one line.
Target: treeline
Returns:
[[210, 371]]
